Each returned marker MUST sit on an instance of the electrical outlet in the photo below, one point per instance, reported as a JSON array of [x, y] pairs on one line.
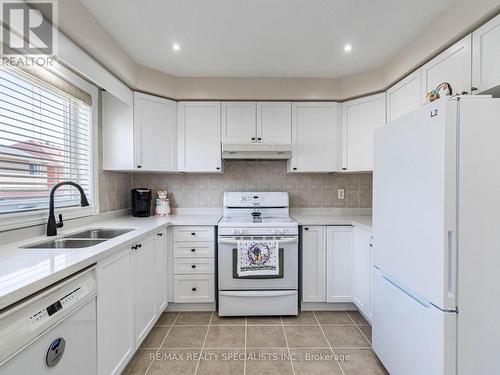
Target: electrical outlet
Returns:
[[340, 193]]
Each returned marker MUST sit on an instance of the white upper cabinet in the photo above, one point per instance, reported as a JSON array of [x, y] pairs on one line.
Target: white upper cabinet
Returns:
[[140, 137], [274, 122], [405, 96], [199, 125], [360, 119], [239, 122], [155, 133], [315, 137], [452, 66], [486, 56], [313, 264], [339, 266], [117, 134]]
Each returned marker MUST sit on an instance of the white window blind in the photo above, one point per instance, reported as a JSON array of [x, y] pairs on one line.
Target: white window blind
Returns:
[[45, 138]]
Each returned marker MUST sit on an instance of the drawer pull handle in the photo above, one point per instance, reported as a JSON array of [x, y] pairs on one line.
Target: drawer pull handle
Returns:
[[193, 234], [160, 234], [193, 289], [193, 266], [193, 250]]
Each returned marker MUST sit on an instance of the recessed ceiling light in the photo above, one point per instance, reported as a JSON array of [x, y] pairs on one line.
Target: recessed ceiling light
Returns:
[[176, 46], [347, 48]]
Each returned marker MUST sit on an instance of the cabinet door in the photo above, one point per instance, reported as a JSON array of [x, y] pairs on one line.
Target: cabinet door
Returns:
[[315, 137], [452, 66], [144, 289], [117, 134], [115, 315], [362, 271], [313, 264], [274, 122], [155, 133], [160, 244], [360, 119], [486, 56], [405, 96], [339, 258], [238, 122], [199, 136]]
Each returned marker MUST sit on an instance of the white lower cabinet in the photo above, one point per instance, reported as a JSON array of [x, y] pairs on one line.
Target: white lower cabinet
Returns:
[[339, 271], [131, 294], [362, 271], [194, 269], [313, 264], [115, 313], [336, 265]]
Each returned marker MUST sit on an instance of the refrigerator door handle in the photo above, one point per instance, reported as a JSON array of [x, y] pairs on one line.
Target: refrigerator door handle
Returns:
[[452, 265]]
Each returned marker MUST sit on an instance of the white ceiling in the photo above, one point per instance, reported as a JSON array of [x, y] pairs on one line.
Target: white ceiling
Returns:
[[264, 38]]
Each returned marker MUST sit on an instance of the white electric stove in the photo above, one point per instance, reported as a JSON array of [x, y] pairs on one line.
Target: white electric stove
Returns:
[[257, 216]]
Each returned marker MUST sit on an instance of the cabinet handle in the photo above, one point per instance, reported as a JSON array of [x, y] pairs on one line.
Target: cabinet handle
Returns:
[[294, 169], [134, 247], [473, 89], [193, 289], [193, 266], [193, 234], [306, 228], [139, 166], [139, 246], [253, 138], [259, 139], [193, 250], [160, 234], [218, 168], [344, 169]]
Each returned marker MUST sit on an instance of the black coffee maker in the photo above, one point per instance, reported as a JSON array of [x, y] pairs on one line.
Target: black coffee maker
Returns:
[[141, 202]]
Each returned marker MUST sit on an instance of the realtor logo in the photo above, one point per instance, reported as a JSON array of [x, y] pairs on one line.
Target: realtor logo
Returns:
[[28, 27]]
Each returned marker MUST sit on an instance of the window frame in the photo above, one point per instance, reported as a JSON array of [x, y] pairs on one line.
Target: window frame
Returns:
[[24, 219]]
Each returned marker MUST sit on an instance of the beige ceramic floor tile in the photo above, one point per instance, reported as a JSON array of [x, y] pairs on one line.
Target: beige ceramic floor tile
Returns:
[[358, 318], [315, 362], [227, 320], [193, 318], [367, 331], [225, 337], [264, 321], [221, 362], [186, 337], [139, 362], [333, 317], [265, 337], [345, 337], [174, 362], [305, 318], [268, 362], [361, 362], [155, 337], [305, 337], [166, 319]]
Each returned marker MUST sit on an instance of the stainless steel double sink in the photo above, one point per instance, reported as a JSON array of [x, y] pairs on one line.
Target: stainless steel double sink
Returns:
[[87, 238]]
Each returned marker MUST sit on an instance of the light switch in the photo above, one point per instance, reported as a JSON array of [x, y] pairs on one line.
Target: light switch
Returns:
[[340, 193]]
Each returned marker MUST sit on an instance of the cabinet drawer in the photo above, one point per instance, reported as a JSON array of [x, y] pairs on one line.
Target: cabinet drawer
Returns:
[[193, 266], [194, 288], [195, 233], [193, 249]]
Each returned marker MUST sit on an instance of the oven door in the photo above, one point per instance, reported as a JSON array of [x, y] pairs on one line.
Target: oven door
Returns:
[[227, 262]]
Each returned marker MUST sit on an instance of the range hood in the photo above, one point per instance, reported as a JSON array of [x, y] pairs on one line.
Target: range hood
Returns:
[[256, 151]]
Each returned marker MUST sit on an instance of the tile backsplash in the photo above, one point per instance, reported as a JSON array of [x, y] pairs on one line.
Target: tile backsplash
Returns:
[[306, 190]]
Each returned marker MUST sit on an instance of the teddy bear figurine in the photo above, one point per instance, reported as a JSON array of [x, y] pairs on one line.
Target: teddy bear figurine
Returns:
[[162, 203]]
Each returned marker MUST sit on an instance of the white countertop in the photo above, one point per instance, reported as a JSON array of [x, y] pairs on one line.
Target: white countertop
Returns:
[[324, 218], [26, 271]]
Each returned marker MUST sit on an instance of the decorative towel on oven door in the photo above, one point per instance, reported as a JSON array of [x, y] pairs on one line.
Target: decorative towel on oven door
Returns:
[[258, 258]]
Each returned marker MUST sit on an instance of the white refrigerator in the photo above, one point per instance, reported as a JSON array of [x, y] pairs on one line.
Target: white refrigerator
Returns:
[[436, 225]]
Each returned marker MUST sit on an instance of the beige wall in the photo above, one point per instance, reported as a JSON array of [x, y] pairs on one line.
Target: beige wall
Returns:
[[306, 190], [461, 18]]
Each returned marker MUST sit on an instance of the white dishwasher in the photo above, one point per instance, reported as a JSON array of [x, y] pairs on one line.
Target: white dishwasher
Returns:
[[52, 332]]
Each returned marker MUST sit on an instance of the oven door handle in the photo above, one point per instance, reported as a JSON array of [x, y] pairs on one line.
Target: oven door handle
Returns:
[[281, 240], [260, 293]]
